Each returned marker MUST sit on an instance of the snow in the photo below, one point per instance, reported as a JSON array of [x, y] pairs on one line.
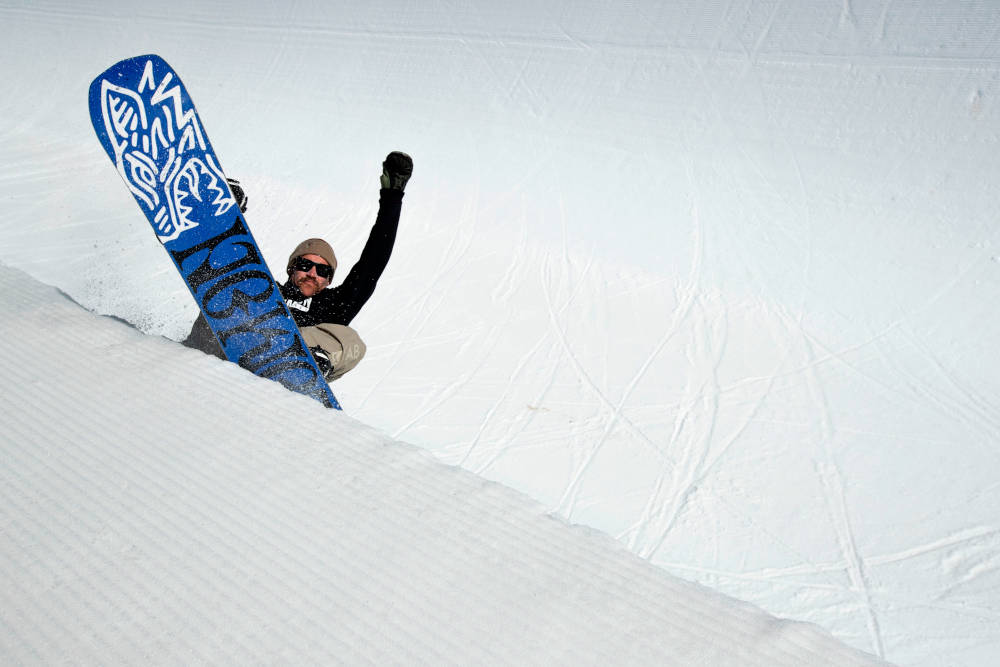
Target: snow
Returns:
[[144, 525], [709, 283]]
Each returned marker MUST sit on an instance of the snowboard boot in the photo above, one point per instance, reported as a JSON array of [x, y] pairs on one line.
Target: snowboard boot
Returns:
[[322, 361], [238, 194]]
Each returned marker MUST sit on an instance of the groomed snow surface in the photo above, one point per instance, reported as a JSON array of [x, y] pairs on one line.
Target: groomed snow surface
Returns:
[[277, 532], [689, 328]]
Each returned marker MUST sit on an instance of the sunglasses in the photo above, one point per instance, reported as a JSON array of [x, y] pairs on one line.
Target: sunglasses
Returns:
[[322, 270]]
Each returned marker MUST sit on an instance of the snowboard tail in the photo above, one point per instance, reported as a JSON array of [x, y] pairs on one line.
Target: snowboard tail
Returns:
[[147, 124]]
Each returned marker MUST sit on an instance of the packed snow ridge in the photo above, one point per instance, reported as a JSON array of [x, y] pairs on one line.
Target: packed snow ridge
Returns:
[[161, 506]]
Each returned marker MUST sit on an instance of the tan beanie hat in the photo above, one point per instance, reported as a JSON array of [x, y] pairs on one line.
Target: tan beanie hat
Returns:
[[313, 247]]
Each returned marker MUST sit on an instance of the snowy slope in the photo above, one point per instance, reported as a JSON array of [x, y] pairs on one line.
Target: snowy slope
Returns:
[[142, 525], [712, 278]]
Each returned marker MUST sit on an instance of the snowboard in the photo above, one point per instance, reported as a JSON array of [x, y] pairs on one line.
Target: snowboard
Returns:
[[145, 120]]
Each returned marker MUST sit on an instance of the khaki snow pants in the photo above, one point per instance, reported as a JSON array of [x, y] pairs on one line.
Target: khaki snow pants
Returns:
[[342, 345]]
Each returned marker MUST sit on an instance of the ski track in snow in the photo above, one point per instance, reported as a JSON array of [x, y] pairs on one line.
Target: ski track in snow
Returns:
[[711, 279]]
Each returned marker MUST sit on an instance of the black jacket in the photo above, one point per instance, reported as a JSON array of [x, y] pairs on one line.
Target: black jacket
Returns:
[[334, 305]]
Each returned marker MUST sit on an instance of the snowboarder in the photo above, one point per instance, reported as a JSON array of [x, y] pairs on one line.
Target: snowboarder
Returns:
[[323, 314]]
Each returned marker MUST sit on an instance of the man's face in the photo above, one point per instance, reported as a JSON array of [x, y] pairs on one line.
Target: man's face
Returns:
[[310, 283]]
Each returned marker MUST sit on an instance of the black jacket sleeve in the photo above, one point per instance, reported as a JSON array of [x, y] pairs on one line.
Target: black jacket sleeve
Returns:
[[339, 305]]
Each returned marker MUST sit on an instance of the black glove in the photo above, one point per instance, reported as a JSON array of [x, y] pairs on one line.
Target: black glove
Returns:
[[238, 194], [396, 170]]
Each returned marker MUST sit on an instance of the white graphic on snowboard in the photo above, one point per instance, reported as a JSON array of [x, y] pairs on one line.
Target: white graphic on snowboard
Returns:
[[160, 152]]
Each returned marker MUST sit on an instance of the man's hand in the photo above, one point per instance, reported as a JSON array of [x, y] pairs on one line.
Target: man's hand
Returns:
[[396, 170]]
